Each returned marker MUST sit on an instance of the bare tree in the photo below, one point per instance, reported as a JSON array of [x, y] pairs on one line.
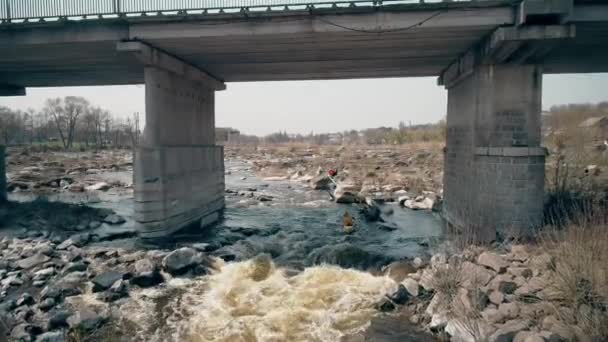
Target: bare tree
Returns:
[[65, 114]]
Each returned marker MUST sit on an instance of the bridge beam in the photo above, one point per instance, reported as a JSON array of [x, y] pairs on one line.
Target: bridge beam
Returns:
[[2, 174], [508, 45], [179, 171], [494, 164], [11, 90]]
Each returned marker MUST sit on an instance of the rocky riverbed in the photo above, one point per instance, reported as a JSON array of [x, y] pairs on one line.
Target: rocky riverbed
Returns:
[[278, 267]]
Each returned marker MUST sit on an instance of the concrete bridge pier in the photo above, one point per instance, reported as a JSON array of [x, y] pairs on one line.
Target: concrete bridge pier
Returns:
[[179, 171], [2, 175], [494, 164]]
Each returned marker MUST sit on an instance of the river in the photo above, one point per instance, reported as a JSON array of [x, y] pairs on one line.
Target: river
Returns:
[[289, 273]]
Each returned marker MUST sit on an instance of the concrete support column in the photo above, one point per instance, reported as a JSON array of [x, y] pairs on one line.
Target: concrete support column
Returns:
[[2, 174], [179, 171], [494, 164]]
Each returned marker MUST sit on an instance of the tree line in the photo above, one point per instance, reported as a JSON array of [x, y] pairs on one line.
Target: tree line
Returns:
[[402, 134], [71, 122]]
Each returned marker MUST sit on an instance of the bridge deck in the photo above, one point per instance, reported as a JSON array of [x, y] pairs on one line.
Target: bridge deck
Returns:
[[330, 43]]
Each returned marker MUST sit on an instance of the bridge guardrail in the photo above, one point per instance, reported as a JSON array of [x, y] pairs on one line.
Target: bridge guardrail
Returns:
[[40, 9]]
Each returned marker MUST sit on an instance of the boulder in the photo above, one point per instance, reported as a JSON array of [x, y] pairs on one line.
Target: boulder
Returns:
[[466, 330], [182, 260], [86, 320], [496, 297], [76, 187], [528, 336], [147, 274], [114, 219], [117, 291], [25, 332], [475, 276], [386, 305], [32, 261], [507, 287], [509, 310], [346, 193], [46, 304], [424, 203], [492, 315], [402, 199], [58, 320], [52, 336], [493, 261], [78, 266], [508, 331], [105, 280], [412, 286], [101, 186], [519, 253], [25, 299], [438, 322], [401, 296], [398, 270]]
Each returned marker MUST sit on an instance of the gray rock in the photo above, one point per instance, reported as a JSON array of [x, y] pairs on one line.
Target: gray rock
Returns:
[[50, 292], [65, 244], [58, 320], [401, 296], [147, 274], [105, 280], [507, 287], [412, 286], [78, 266], [493, 261], [114, 219], [86, 320], [346, 194], [46, 304], [25, 332], [181, 260], [52, 336], [386, 305], [508, 331], [117, 291], [110, 233], [44, 273], [25, 299], [33, 261]]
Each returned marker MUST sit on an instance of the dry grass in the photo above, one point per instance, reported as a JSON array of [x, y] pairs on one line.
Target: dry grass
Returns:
[[447, 280], [580, 274]]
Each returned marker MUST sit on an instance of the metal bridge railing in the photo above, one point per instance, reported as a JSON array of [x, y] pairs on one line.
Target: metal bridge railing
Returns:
[[39, 9]]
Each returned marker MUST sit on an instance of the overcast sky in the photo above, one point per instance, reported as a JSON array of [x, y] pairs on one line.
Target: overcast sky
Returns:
[[321, 106]]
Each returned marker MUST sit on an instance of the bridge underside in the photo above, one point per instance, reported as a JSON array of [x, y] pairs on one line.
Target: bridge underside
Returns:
[[292, 46], [487, 55]]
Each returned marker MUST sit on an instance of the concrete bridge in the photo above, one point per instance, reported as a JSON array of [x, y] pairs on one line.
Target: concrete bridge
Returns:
[[490, 55]]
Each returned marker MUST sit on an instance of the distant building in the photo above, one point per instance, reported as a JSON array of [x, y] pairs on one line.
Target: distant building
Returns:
[[224, 135]]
